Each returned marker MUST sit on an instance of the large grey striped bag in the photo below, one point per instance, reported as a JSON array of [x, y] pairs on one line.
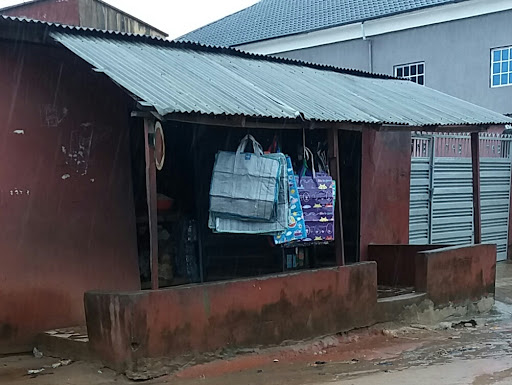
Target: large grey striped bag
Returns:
[[273, 227], [245, 185]]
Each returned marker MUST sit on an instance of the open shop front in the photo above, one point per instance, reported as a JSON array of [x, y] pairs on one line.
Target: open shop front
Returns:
[[206, 230]]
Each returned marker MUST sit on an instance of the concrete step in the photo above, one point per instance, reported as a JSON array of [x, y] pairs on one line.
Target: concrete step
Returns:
[[390, 308], [67, 343]]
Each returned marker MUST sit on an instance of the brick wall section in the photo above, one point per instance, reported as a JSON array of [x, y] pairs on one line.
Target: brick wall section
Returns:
[[457, 274], [127, 327]]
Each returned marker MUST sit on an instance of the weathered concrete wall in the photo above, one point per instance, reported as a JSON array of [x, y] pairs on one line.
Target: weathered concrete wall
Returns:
[[126, 328], [457, 274], [67, 216], [97, 14], [396, 264], [385, 186], [64, 12]]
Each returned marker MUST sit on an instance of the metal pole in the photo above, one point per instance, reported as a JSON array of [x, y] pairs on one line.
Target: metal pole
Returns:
[[431, 186], [338, 214], [475, 162], [149, 140]]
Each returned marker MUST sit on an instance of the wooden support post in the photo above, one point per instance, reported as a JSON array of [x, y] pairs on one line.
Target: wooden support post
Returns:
[[334, 166], [475, 162], [149, 139], [198, 193]]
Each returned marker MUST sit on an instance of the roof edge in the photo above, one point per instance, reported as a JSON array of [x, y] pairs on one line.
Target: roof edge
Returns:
[[63, 28], [356, 21]]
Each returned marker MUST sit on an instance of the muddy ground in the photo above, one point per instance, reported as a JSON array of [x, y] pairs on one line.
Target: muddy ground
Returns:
[[385, 354]]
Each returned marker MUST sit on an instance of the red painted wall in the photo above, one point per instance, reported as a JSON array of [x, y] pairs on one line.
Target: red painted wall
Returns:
[[67, 217], [457, 274], [64, 12], [125, 329], [396, 264], [385, 186]]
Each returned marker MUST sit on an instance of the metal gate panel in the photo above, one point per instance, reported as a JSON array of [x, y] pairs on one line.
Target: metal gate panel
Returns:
[[452, 202], [441, 208], [495, 201], [419, 212]]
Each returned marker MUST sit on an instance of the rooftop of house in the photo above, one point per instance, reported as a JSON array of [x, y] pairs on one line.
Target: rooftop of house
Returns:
[[270, 19]]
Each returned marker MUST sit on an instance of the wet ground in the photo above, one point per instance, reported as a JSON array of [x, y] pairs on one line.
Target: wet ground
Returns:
[[441, 354]]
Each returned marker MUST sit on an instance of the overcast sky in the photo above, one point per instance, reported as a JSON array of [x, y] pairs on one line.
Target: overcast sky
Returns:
[[176, 17]]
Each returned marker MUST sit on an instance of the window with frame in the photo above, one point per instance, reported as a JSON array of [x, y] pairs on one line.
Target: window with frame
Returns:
[[415, 72], [501, 67]]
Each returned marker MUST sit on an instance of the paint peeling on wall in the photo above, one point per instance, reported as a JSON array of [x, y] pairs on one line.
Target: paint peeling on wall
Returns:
[[79, 151], [19, 191], [52, 116]]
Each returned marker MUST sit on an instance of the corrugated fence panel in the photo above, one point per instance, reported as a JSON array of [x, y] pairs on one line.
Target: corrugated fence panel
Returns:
[[452, 202], [495, 196], [419, 212]]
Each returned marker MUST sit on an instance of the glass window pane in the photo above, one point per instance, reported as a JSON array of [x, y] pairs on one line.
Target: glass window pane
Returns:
[[421, 69], [421, 79], [413, 70], [496, 68], [496, 80], [504, 79], [510, 78], [504, 66], [406, 71], [504, 54], [413, 79], [399, 72], [496, 56]]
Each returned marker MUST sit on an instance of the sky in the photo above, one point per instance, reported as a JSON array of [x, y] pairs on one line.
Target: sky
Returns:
[[176, 17]]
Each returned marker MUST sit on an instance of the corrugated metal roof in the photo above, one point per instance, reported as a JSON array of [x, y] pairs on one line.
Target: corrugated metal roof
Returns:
[[269, 19], [187, 78]]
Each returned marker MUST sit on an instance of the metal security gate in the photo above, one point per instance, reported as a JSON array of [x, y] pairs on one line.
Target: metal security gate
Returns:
[[441, 202]]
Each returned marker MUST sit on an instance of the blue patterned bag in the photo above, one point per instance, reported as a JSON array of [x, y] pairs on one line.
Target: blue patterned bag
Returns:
[[296, 226]]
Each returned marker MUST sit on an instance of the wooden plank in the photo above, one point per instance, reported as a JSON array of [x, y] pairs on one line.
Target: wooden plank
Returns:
[[338, 215], [441, 129], [149, 134], [475, 163], [244, 122], [197, 197]]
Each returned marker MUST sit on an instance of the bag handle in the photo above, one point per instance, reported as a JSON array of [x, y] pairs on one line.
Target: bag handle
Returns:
[[258, 150], [308, 155]]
